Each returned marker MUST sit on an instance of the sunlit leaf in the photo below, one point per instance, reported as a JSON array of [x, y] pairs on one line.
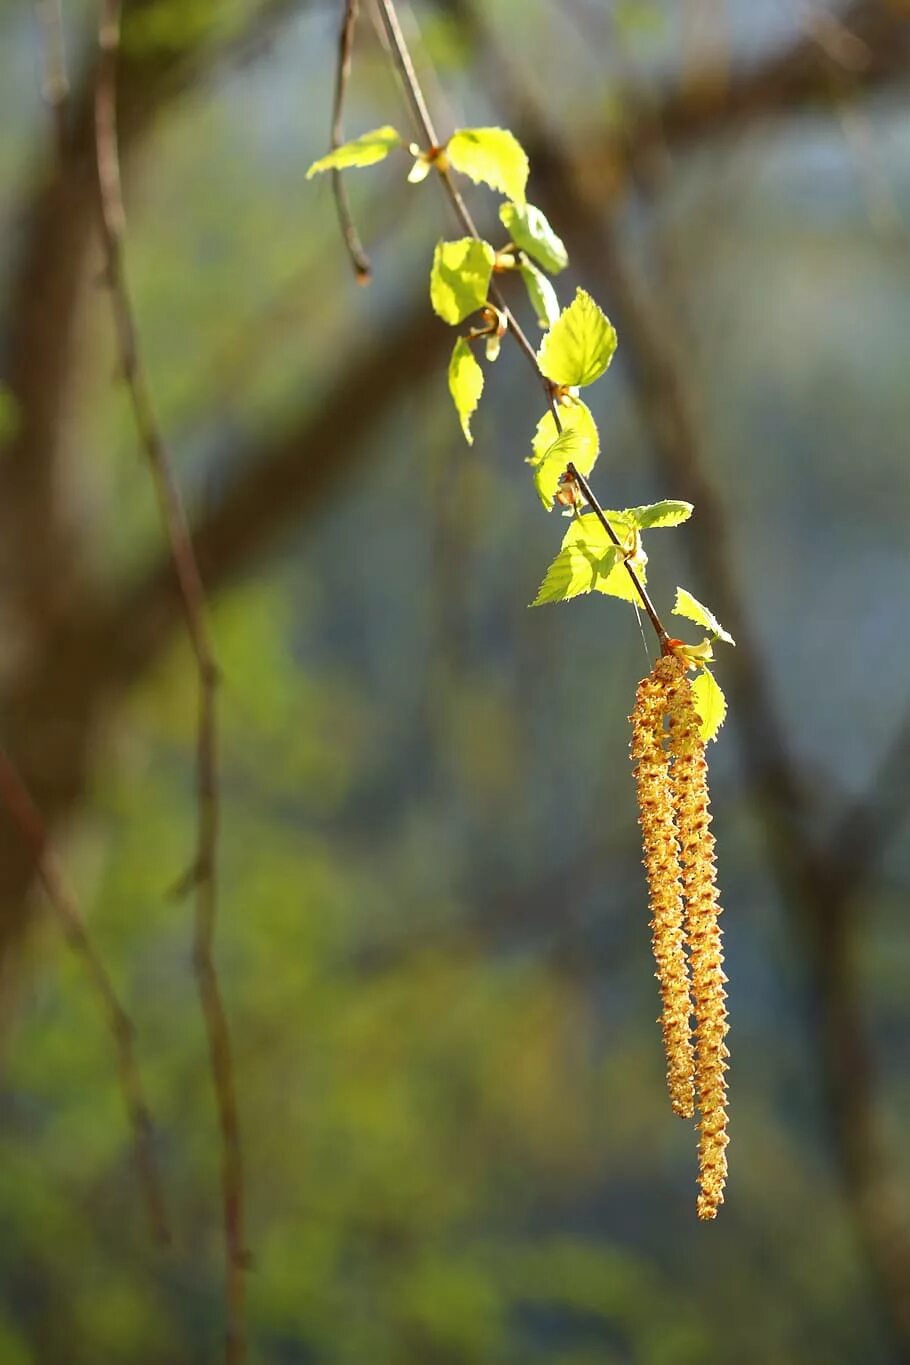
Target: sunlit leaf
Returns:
[[710, 703], [580, 344], [576, 569], [365, 150], [493, 156], [689, 606], [549, 459], [670, 512], [465, 384], [528, 228], [541, 293], [419, 171], [586, 531], [460, 278]]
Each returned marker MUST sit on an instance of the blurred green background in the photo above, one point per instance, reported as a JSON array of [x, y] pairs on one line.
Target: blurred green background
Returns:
[[433, 937]]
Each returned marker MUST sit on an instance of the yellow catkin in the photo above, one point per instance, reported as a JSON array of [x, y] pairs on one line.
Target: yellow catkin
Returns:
[[689, 778], [662, 864]]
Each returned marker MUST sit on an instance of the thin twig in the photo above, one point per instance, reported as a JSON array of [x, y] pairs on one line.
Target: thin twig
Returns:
[[636, 581], [425, 124], [192, 595], [27, 818], [359, 259], [427, 131]]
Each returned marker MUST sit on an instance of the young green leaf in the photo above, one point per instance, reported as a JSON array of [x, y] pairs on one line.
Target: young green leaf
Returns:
[[580, 344], [587, 532], [419, 171], [541, 293], [460, 278], [465, 385], [687, 605], [574, 571], [710, 703], [670, 512], [528, 228], [549, 458], [365, 150], [493, 156]]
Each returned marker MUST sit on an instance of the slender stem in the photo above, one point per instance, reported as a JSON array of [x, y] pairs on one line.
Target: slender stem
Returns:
[[25, 815], [359, 259], [424, 122], [192, 593], [639, 586]]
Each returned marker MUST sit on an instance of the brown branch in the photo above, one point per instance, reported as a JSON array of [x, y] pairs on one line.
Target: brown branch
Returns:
[[863, 830], [25, 816], [42, 564], [56, 704], [192, 595], [793, 79], [363, 271], [293, 476]]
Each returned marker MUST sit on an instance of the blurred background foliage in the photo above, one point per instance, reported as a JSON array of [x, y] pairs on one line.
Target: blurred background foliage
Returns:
[[433, 930]]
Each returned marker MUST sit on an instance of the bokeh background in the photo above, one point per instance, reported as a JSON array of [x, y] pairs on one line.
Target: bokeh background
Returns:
[[433, 937]]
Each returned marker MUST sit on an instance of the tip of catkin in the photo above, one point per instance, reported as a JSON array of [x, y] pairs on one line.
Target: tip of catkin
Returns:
[[706, 1207]]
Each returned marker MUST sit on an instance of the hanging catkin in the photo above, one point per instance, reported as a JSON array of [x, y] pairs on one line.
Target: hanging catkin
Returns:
[[662, 864], [689, 781]]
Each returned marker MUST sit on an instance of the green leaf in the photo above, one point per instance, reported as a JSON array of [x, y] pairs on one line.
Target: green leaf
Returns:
[[493, 156], [574, 571], [580, 344], [365, 150], [549, 457], [465, 385], [710, 703], [587, 532], [541, 293], [687, 605], [670, 512], [528, 228], [460, 278]]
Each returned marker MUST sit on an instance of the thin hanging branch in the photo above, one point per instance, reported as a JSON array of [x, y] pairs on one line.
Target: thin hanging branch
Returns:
[[359, 259], [426, 129], [204, 870], [424, 122], [27, 818]]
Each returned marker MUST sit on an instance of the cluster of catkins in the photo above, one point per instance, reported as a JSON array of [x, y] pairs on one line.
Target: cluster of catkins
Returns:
[[671, 774]]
